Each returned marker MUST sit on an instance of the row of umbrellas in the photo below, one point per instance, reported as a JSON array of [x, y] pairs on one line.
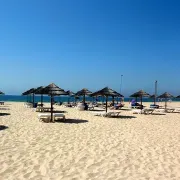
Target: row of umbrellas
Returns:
[[142, 94], [53, 90]]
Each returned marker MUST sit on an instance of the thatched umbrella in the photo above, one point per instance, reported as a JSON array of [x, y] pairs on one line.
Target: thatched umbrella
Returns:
[[140, 94], [70, 93], [40, 91], [153, 97], [178, 97], [166, 96], [83, 93], [1, 92], [30, 91], [106, 92], [25, 94], [53, 90], [116, 95]]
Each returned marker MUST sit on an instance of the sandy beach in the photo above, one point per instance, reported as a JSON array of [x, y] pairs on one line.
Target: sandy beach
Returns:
[[132, 146]]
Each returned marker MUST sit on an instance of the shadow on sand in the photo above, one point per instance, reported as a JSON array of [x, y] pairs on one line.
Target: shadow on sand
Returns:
[[59, 111], [97, 110], [71, 121], [124, 117], [2, 127], [160, 114], [5, 114]]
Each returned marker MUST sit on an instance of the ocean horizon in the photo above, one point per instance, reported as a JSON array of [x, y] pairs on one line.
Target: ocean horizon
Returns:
[[37, 98]]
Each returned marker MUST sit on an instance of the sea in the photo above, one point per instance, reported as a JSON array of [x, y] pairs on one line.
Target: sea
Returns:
[[19, 98]]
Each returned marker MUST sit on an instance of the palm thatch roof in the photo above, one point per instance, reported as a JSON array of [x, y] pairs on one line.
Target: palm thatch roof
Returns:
[[39, 90], [166, 95], [30, 91], [107, 92], [83, 92], [70, 93], [1, 92], [140, 93], [54, 90]]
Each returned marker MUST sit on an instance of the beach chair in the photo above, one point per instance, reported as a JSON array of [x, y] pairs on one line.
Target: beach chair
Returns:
[[112, 114], [1, 102], [143, 111], [90, 107], [159, 110], [136, 111], [59, 116], [45, 117], [155, 106], [107, 114], [148, 111], [170, 110]]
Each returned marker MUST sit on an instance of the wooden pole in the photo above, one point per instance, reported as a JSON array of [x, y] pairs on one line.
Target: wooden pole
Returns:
[[69, 99], [84, 98], [51, 108], [113, 100], [33, 99], [106, 102], [141, 103], [165, 104], [41, 100]]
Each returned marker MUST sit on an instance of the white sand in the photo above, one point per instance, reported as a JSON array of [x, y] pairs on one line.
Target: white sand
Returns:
[[133, 146]]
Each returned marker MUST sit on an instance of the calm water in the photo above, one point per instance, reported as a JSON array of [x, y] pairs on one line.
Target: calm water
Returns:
[[60, 98]]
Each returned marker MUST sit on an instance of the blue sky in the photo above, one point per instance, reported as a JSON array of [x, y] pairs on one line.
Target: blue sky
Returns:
[[83, 43]]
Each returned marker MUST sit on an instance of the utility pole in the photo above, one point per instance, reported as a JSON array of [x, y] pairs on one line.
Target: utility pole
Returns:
[[121, 84]]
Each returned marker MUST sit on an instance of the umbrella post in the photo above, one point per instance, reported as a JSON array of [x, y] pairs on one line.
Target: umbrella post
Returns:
[[33, 99], [165, 104], [84, 98], [106, 102], [41, 100], [68, 99], [141, 103], [113, 100], [51, 108]]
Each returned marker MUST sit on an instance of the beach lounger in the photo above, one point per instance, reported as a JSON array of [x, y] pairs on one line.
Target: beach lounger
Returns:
[[28, 105], [170, 110], [90, 107], [136, 111], [112, 114], [59, 115], [47, 116], [148, 111], [143, 111], [43, 109], [107, 114], [160, 110], [1, 102]]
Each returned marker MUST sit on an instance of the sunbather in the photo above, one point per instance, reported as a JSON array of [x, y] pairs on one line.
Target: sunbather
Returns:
[[117, 106]]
